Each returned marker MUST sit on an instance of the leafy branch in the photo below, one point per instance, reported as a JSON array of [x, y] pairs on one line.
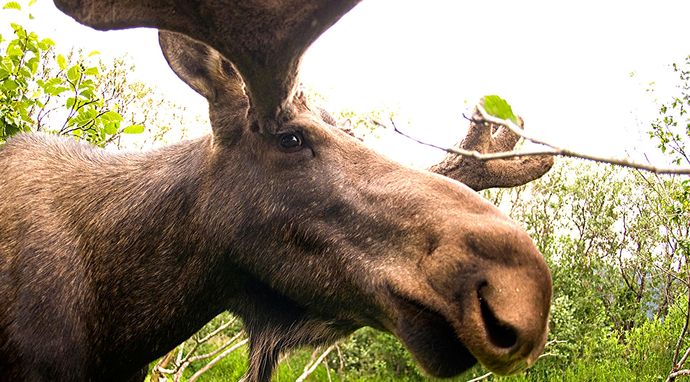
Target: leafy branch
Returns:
[[485, 118]]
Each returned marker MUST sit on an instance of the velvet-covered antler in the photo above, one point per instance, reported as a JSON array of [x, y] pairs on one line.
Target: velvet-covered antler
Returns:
[[485, 138], [264, 39]]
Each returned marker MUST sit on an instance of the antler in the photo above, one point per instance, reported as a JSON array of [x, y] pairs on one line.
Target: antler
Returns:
[[264, 39], [485, 138]]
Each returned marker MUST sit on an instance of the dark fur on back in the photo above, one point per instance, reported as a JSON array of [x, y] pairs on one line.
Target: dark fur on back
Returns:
[[81, 238]]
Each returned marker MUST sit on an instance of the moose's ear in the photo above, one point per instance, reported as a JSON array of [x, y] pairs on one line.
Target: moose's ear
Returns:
[[202, 68], [191, 60], [211, 75]]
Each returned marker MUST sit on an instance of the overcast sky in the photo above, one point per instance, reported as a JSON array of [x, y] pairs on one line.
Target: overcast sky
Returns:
[[577, 71]]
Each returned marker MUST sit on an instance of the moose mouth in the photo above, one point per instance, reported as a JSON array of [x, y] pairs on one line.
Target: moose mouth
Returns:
[[431, 339], [439, 349]]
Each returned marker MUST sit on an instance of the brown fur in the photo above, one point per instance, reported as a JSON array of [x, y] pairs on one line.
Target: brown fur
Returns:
[[108, 260]]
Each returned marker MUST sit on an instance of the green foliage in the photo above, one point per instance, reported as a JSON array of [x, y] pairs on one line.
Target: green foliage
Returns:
[[613, 240], [498, 107], [12, 5], [369, 353], [672, 128], [19, 60], [43, 90]]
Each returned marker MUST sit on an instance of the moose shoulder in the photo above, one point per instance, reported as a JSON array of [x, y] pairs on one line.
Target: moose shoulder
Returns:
[[289, 223]]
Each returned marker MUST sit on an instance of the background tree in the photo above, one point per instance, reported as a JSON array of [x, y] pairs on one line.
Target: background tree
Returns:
[[74, 94]]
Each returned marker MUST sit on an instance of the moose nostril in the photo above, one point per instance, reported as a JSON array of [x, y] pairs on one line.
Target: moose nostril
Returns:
[[500, 334]]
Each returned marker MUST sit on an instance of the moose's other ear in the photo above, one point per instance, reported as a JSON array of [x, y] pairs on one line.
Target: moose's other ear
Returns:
[[202, 68]]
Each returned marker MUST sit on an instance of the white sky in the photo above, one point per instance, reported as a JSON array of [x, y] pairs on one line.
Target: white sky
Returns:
[[564, 66]]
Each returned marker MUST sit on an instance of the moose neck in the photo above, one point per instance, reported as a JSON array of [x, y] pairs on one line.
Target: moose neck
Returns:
[[149, 264]]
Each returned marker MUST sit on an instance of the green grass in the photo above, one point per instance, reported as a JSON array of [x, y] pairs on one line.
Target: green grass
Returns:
[[642, 354]]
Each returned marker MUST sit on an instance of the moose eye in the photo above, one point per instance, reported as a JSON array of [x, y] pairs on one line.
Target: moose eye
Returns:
[[290, 142]]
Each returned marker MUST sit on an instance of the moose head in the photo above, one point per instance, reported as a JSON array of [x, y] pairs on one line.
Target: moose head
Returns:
[[277, 216]]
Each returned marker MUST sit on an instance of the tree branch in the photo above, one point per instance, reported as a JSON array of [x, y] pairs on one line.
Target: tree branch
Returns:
[[677, 364], [570, 153], [551, 149], [311, 367], [217, 359], [481, 377]]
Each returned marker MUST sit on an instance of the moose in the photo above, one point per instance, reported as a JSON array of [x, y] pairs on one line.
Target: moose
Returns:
[[276, 216]]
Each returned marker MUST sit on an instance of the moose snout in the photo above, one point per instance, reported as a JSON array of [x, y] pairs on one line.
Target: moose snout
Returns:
[[484, 295], [496, 289], [506, 305], [511, 311]]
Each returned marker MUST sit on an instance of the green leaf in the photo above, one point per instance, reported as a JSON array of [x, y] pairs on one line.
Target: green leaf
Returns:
[[94, 53], [10, 85], [88, 83], [14, 50], [92, 71], [87, 93], [73, 73], [498, 107], [53, 82], [46, 43], [33, 64], [12, 5], [57, 90], [134, 129], [61, 61], [112, 116], [18, 29], [110, 128]]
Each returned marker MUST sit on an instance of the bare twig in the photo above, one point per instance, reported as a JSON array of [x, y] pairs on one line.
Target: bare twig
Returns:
[[216, 351], [180, 353], [189, 359], [161, 366], [679, 373], [328, 371], [341, 359], [554, 341], [481, 377], [550, 149], [311, 366], [217, 359], [673, 275], [469, 153], [570, 153], [184, 360], [685, 357], [218, 330]]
